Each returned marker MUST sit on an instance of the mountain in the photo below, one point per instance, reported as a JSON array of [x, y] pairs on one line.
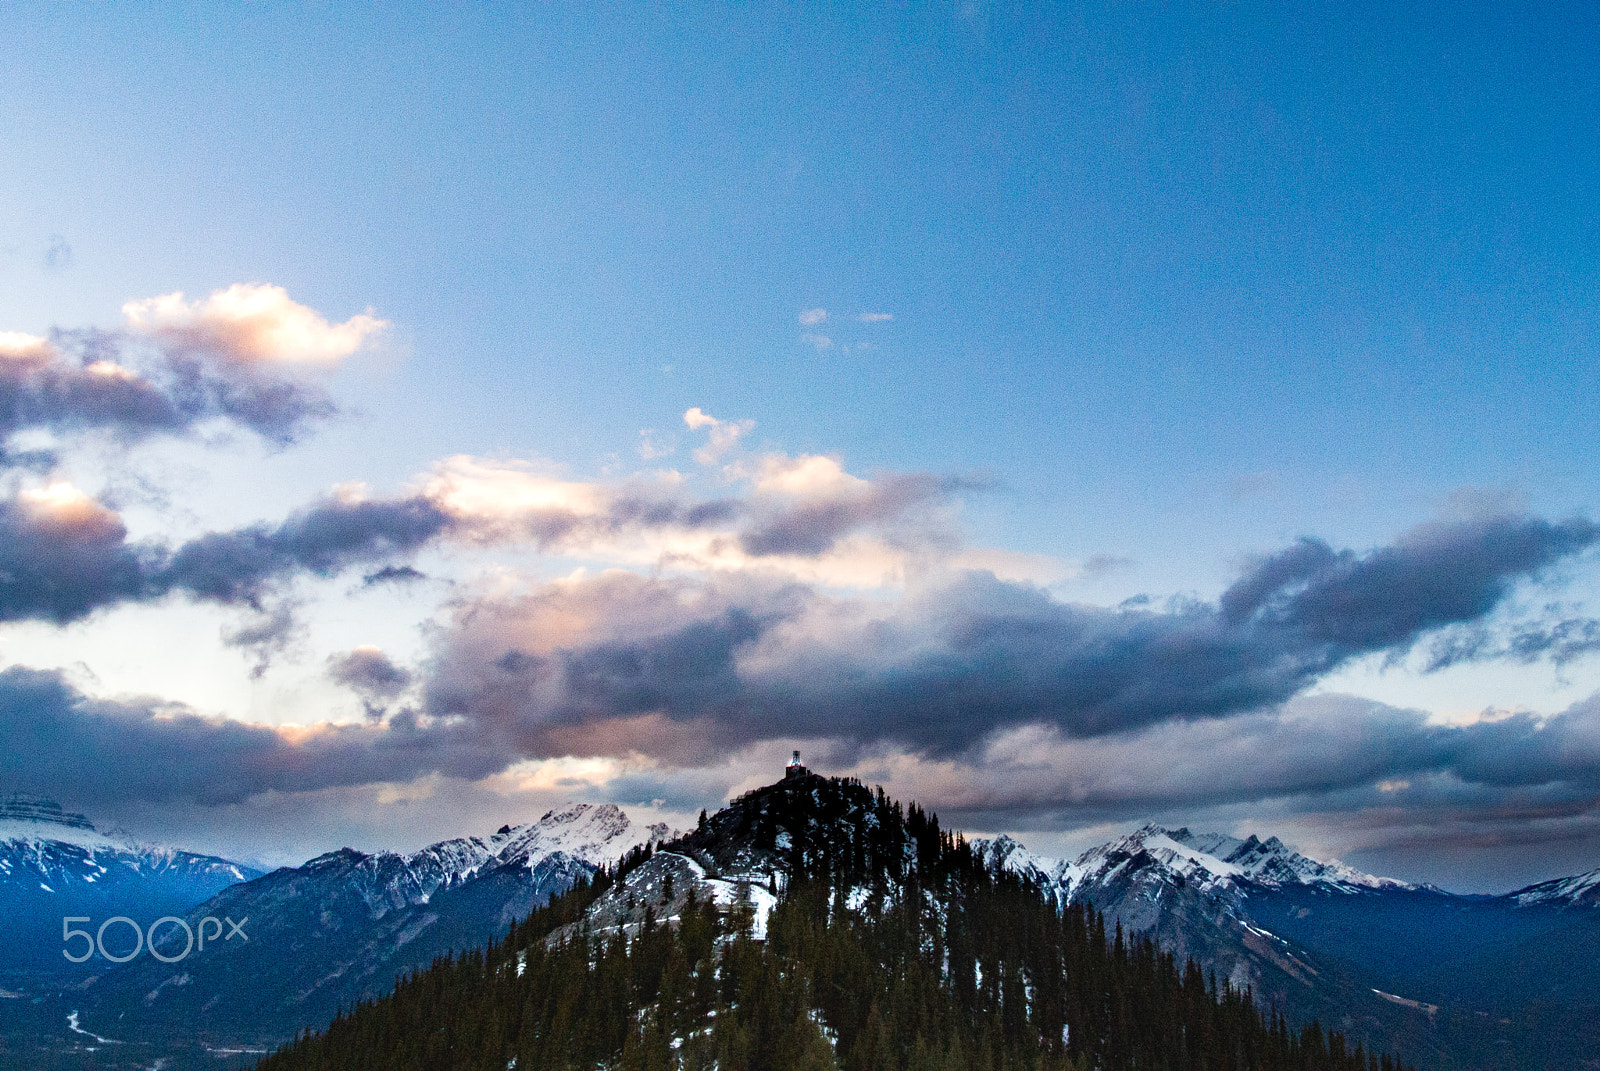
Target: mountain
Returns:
[[55, 865], [1448, 981], [1209, 861], [1453, 981], [339, 929], [814, 925], [1582, 890]]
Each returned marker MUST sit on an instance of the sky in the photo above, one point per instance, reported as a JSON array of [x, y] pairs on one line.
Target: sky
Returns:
[[412, 418]]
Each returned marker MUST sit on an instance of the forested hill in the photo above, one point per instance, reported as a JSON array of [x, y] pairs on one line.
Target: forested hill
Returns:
[[891, 946]]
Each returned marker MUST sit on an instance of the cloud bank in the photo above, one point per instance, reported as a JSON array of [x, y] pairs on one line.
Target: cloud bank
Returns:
[[992, 700], [942, 669]]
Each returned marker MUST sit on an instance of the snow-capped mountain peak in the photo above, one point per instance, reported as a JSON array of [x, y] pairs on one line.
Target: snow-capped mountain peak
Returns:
[[1578, 890], [58, 847], [1220, 860], [595, 833], [1004, 852], [27, 818], [1207, 860], [592, 834]]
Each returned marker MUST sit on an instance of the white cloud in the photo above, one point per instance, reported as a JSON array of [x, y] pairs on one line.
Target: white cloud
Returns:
[[808, 474], [821, 342], [876, 317], [252, 323], [17, 346], [725, 434], [497, 499], [813, 317]]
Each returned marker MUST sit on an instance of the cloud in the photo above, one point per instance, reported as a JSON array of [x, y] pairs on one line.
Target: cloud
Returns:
[[875, 317], [637, 519], [237, 567], [828, 504], [813, 317], [369, 673], [652, 446], [393, 574], [63, 555], [271, 631], [57, 740], [818, 342], [989, 699], [1444, 802], [805, 517], [737, 659], [1100, 565], [1560, 642], [41, 387], [724, 434], [250, 323], [1041, 569], [233, 356]]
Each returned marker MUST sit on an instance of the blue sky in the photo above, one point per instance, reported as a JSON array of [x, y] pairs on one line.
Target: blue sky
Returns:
[[1143, 294]]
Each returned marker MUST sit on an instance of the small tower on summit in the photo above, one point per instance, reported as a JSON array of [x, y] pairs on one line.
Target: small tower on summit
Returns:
[[794, 769]]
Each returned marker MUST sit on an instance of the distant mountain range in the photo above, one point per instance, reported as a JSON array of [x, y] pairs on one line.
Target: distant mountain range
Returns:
[[1451, 981], [312, 938], [1458, 981], [55, 864]]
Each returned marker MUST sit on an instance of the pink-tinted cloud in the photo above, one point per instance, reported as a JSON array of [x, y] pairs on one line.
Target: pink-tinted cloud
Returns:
[[251, 323]]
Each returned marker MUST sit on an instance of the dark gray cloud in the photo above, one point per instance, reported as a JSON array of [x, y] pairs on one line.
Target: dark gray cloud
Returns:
[[266, 634], [1131, 708], [1326, 751], [371, 674], [1101, 565], [62, 562], [324, 539], [45, 388], [60, 565], [1560, 641], [129, 388], [276, 408], [59, 741], [941, 671], [559, 528], [1439, 574], [393, 574], [1477, 807]]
